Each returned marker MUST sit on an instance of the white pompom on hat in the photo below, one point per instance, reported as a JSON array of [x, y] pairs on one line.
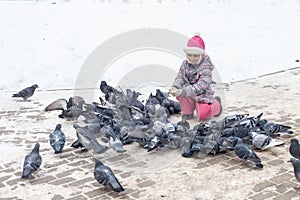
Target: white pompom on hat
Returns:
[[195, 45]]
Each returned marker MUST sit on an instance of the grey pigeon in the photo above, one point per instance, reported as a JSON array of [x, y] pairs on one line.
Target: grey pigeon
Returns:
[[296, 165], [114, 137], [63, 104], [244, 152], [72, 112], [105, 176], [272, 127], [32, 162], [88, 140], [295, 148], [26, 93], [260, 141], [57, 139]]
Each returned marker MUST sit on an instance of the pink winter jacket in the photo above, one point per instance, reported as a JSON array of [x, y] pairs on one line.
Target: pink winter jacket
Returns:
[[195, 80]]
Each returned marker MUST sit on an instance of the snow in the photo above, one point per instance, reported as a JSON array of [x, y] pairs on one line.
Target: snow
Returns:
[[48, 42]]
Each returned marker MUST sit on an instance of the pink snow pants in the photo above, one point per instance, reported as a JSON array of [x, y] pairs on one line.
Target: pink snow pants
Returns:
[[203, 110]]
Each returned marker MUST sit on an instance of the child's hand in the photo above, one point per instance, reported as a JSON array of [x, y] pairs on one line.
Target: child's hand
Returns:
[[175, 91]]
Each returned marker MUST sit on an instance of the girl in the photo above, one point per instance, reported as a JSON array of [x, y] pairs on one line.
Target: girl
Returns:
[[192, 86]]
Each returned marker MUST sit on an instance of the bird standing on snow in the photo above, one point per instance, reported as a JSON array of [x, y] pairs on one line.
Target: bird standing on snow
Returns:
[[104, 175], [296, 165], [295, 148], [26, 93], [57, 139], [32, 162]]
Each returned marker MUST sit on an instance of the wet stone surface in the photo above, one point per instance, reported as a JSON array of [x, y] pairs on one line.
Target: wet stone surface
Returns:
[[158, 175]]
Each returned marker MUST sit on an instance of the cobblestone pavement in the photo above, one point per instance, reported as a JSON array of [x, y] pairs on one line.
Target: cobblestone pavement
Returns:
[[162, 174]]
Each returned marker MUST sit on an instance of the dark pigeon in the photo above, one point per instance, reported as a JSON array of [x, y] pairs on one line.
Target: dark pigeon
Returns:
[[272, 127], [32, 162], [109, 92], [105, 176], [244, 152], [295, 148], [26, 93], [57, 139], [296, 165]]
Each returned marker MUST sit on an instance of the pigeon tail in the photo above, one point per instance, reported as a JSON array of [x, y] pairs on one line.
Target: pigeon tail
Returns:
[[116, 185], [26, 172], [259, 165]]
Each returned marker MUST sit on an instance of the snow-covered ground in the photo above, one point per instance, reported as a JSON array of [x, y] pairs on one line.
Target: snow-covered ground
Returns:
[[48, 42]]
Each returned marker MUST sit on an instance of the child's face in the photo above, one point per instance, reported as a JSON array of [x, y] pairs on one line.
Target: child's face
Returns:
[[193, 58]]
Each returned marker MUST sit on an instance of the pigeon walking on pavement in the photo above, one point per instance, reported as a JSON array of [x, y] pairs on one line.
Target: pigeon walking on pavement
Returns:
[[296, 165], [105, 176], [32, 162], [294, 148], [244, 152], [57, 139], [26, 93]]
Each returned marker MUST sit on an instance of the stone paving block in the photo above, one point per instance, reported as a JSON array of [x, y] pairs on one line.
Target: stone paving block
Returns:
[[78, 163], [97, 192], [136, 194], [57, 197], [125, 174], [51, 165], [263, 195], [263, 185], [147, 183], [62, 181], [66, 173], [282, 178], [117, 158], [217, 159], [79, 197], [275, 162], [137, 164], [288, 195], [82, 181], [285, 186], [201, 165], [14, 181], [45, 179]]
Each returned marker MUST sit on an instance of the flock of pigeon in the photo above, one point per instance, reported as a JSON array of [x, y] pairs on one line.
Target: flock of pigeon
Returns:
[[121, 119]]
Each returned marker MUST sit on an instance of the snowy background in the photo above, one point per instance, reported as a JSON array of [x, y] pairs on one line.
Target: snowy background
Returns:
[[47, 42]]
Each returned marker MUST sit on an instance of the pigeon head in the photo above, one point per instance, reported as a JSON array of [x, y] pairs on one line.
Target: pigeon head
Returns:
[[36, 148], [234, 140], [97, 162], [35, 86], [294, 141], [58, 127]]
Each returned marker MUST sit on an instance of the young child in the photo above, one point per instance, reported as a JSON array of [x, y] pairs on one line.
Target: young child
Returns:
[[192, 86]]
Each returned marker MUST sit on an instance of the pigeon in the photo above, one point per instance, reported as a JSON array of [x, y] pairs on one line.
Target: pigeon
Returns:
[[114, 137], [57, 139], [296, 165], [88, 140], [77, 144], [72, 112], [63, 104], [26, 93], [110, 92], [295, 148], [272, 127], [32, 162], [105, 176], [260, 141], [244, 152]]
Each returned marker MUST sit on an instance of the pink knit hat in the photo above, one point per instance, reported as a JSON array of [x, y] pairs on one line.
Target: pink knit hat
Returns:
[[195, 45]]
